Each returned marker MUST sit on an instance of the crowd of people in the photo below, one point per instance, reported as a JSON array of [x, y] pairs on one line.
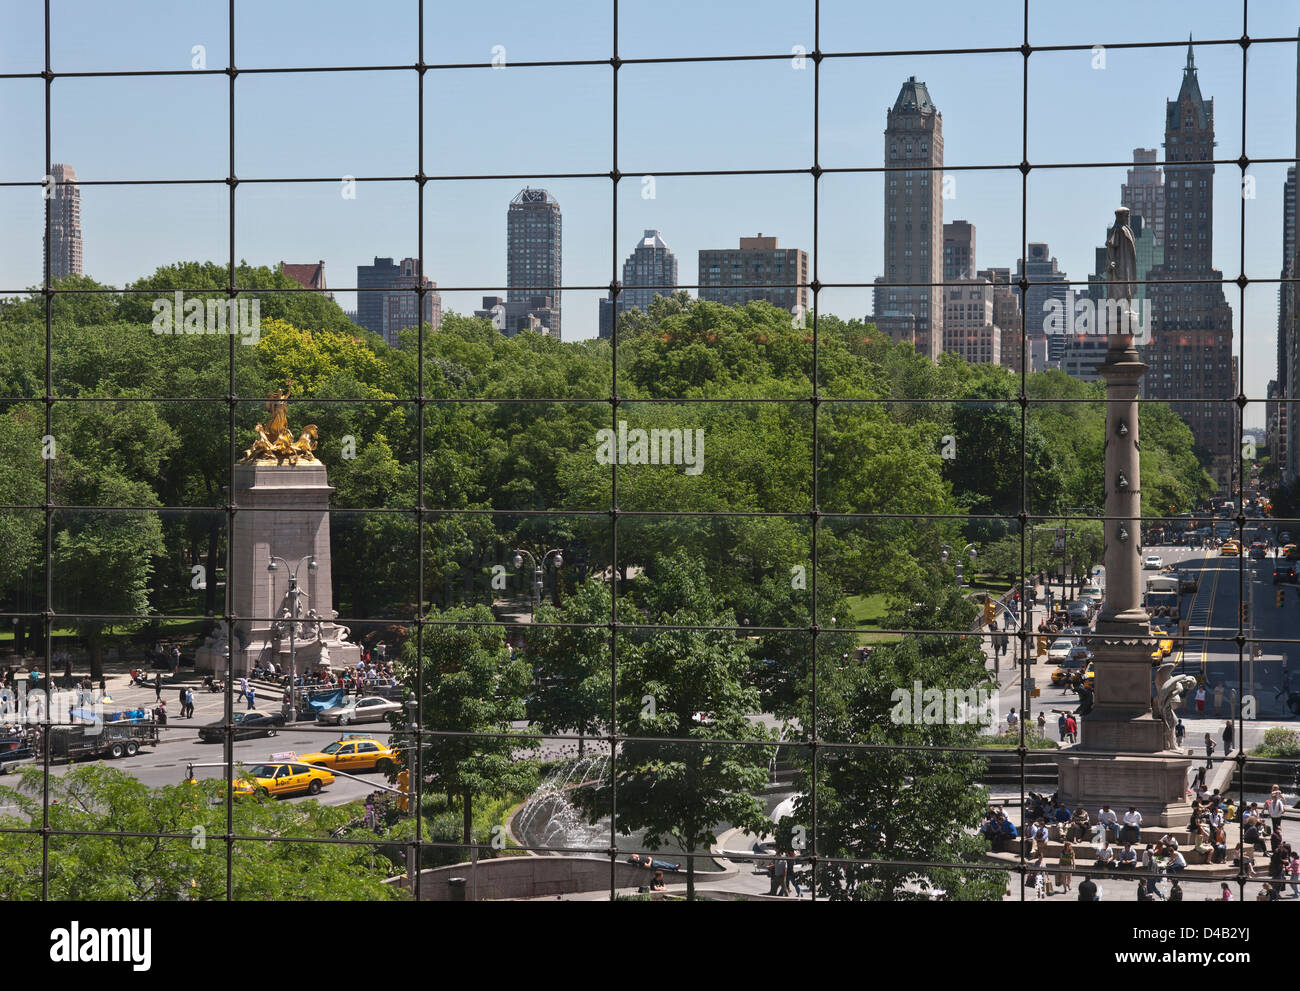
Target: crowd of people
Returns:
[[1120, 851]]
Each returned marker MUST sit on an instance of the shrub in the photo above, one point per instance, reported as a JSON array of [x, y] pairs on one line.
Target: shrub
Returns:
[[1278, 742]]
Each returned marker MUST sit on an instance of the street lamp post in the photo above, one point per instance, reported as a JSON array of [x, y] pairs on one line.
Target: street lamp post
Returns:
[[553, 556], [294, 593], [946, 554]]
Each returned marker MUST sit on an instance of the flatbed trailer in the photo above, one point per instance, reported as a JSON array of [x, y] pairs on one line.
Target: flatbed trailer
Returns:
[[122, 738]]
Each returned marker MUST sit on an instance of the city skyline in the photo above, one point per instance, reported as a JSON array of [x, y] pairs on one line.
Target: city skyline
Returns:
[[160, 224]]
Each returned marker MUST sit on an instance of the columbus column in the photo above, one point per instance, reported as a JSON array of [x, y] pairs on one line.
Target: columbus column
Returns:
[[1126, 754]]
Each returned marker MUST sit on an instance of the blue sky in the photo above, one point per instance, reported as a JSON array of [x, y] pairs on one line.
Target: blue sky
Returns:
[[687, 116]]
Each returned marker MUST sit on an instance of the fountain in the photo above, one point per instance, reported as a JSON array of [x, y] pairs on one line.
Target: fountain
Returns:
[[548, 820]]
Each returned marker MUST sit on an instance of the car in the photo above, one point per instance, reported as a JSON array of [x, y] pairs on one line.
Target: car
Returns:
[[1188, 581], [352, 754], [1284, 537], [371, 709], [1067, 670], [248, 724], [1153, 562], [1230, 548], [1164, 647], [1289, 552], [1089, 674], [1258, 551], [1284, 572], [278, 778], [1059, 650]]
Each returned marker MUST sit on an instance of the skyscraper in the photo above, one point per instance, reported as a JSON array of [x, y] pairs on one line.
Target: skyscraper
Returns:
[[1144, 192], [1280, 435], [958, 250], [1006, 315], [533, 243], [370, 305], [399, 306], [1190, 355], [63, 239], [1288, 372], [908, 300], [652, 269], [1047, 291]]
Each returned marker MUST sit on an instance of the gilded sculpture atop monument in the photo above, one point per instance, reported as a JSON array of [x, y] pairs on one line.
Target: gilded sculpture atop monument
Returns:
[[275, 440]]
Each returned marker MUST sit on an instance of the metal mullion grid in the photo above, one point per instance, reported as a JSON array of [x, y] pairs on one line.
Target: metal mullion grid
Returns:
[[47, 624], [416, 879], [228, 697], [613, 472], [1021, 752], [816, 514]]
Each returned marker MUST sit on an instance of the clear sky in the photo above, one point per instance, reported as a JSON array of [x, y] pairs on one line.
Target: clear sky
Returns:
[[527, 120]]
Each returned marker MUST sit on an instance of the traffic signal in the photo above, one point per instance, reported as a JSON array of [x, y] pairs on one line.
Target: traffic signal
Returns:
[[404, 783], [1281, 596], [990, 611]]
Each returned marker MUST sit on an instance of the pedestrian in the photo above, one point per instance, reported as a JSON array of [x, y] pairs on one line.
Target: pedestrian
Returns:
[[1275, 807], [1209, 751], [157, 687], [1071, 728], [1179, 732], [252, 697], [1218, 698], [777, 868], [1067, 865], [790, 877], [1227, 738], [1088, 890], [1042, 723], [1012, 719], [189, 703], [180, 698], [1293, 868], [1200, 697], [1062, 725]]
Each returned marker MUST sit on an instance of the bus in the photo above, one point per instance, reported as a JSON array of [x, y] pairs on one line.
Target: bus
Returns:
[[1163, 600]]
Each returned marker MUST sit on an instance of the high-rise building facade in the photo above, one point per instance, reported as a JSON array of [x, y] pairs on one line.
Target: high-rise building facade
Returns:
[[958, 251], [1190, 355], [534, 239], [650, 271], [757, 270], [1045, 296], [63, 239], [908, 298], [370, 305], [1281, 436], [1006, 315], [968, 327], [1288, 372], [400, 305], [1144, 192]]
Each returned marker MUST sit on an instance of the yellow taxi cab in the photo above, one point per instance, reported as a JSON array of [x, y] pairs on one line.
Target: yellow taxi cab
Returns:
[[1230, 548], [1289, 552], [283, 778], [1164, 647], [352, 753], [1089, 675]]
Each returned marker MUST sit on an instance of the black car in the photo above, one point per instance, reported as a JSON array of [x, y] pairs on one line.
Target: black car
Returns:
[[1284, 571], [248, 724]]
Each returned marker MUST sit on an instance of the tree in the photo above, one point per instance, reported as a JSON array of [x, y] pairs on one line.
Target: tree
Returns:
[[573, 662], [883, 804], [695, 678], [472, 685], [102, 865]]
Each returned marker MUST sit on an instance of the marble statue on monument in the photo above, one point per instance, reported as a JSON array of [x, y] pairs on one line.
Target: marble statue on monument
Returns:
[[1173, 687], [1125, 754], [280, 495]]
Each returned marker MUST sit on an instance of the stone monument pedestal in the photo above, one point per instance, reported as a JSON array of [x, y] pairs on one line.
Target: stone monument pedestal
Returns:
[[280, 510]]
